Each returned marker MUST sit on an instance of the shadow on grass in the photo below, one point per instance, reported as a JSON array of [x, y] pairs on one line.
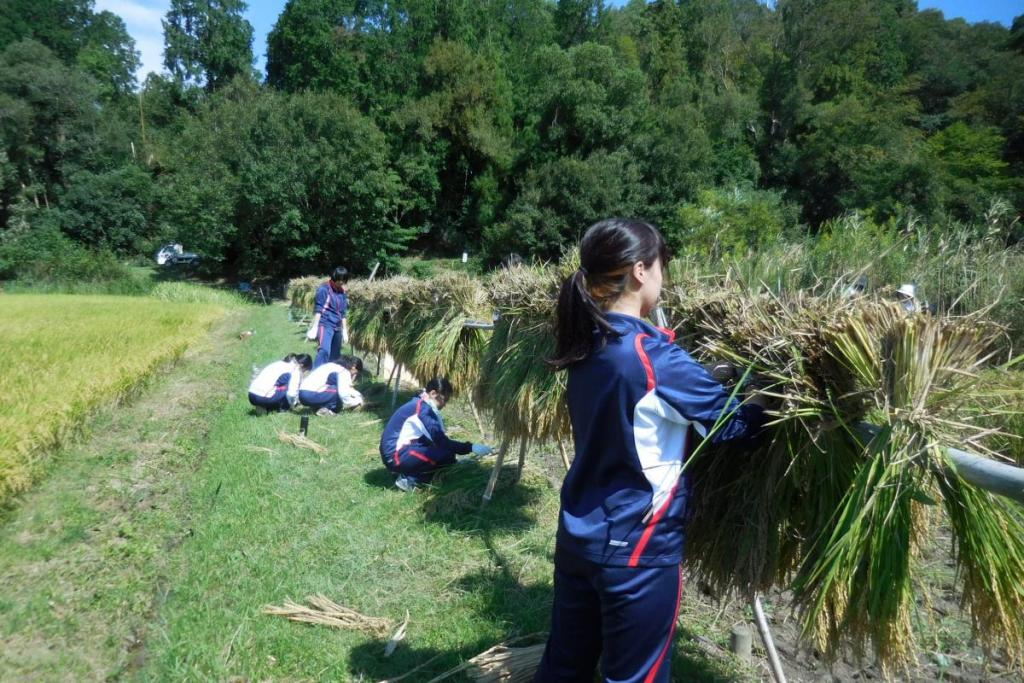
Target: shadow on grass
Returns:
[[455, 499], [516, 610], [380, 478], [513, 609]]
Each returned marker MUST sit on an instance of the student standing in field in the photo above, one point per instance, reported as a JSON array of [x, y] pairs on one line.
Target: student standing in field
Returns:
[[330, 323], [638, 405], [276, 387], [414, 444], [330, 387]]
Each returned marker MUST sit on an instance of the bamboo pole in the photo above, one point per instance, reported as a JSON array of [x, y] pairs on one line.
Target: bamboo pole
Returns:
[[476, 416], [499, 460]]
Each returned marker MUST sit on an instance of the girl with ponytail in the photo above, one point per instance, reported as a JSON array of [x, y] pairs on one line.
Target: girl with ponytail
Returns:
[[638, 405]]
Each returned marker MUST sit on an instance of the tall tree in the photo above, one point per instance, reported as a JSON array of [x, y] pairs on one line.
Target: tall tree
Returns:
[[97, 42], [207, 42]]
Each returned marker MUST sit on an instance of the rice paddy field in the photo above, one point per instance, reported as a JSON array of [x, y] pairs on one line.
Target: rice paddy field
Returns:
[[61, 356]]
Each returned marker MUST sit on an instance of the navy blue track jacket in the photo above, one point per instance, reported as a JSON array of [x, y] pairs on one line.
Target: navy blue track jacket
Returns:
[[331, 305], [417, 423], [638, 404]]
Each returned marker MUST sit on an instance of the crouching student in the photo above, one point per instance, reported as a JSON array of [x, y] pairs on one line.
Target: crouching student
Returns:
[[329, 388], [276, 387], [414, 445]]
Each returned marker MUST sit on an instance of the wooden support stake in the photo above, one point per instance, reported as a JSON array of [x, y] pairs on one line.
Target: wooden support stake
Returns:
[[476, 416], [740, 642], [522, 459], [565, 455], [499, 460], [398, 381]]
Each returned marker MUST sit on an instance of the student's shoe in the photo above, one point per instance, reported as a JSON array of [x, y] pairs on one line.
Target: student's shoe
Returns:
[[407, 484], [326, 412]]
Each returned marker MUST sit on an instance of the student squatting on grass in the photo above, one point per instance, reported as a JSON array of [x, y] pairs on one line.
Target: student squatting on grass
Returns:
[[414, 444], [329, 388], [276, 387]]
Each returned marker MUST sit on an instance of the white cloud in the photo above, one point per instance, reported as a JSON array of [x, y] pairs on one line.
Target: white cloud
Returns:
[[142, 18]]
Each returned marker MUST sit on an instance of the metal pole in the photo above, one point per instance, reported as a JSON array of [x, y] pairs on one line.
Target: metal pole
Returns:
[[766, 637], [985, 473], [991, 475]]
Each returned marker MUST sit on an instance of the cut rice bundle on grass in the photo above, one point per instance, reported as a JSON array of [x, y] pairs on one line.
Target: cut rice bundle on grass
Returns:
[[499, 663], [325, 612], [502, 664], [300, 441]]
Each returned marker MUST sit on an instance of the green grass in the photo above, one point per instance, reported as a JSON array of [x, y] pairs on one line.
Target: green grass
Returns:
[[149, 553], [61, 356]]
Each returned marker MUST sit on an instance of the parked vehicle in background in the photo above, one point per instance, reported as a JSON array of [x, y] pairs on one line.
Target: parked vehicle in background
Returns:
[[174, 254]]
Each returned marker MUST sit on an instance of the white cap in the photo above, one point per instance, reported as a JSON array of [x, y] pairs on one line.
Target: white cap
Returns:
[[907, 290]]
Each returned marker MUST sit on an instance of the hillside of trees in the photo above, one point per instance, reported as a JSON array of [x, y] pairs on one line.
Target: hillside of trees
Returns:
[[382, 126]]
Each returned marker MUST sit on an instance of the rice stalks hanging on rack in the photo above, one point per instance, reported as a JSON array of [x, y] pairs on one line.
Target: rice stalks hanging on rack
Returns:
[[837, 513], [525, 397]]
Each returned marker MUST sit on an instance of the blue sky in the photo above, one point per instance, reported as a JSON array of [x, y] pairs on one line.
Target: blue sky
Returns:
[[143, 20]]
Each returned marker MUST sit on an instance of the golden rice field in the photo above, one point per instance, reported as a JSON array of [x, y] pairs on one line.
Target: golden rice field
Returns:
[[61, 356]]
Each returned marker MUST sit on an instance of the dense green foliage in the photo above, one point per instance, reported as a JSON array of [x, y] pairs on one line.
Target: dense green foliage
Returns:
[[495, 127]]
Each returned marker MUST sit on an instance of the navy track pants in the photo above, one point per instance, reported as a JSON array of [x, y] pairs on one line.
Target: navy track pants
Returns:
[[279, 401], [321, 399], [624, 616], [420, 462], [328, 345]]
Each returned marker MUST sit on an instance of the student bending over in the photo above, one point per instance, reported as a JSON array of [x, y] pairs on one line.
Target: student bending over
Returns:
[[329, 388], [276, 387]]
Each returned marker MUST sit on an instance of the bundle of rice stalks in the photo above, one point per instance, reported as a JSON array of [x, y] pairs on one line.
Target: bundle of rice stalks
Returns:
[[502, 664], [300, 441], [840, 514], [301, 293], [526, 398], [376, 310], [433, 340], [326, 612], [420, 323]]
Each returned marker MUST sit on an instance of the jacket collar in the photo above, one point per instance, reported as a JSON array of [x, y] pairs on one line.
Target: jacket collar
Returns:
[[627, 323]]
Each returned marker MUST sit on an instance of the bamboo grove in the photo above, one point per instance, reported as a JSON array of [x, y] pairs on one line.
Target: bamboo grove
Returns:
[[849, 485]]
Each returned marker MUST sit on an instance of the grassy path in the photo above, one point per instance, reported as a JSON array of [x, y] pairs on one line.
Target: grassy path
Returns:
[[149, 550]]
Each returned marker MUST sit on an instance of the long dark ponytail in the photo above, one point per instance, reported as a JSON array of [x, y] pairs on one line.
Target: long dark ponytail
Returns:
[[607, 254]]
